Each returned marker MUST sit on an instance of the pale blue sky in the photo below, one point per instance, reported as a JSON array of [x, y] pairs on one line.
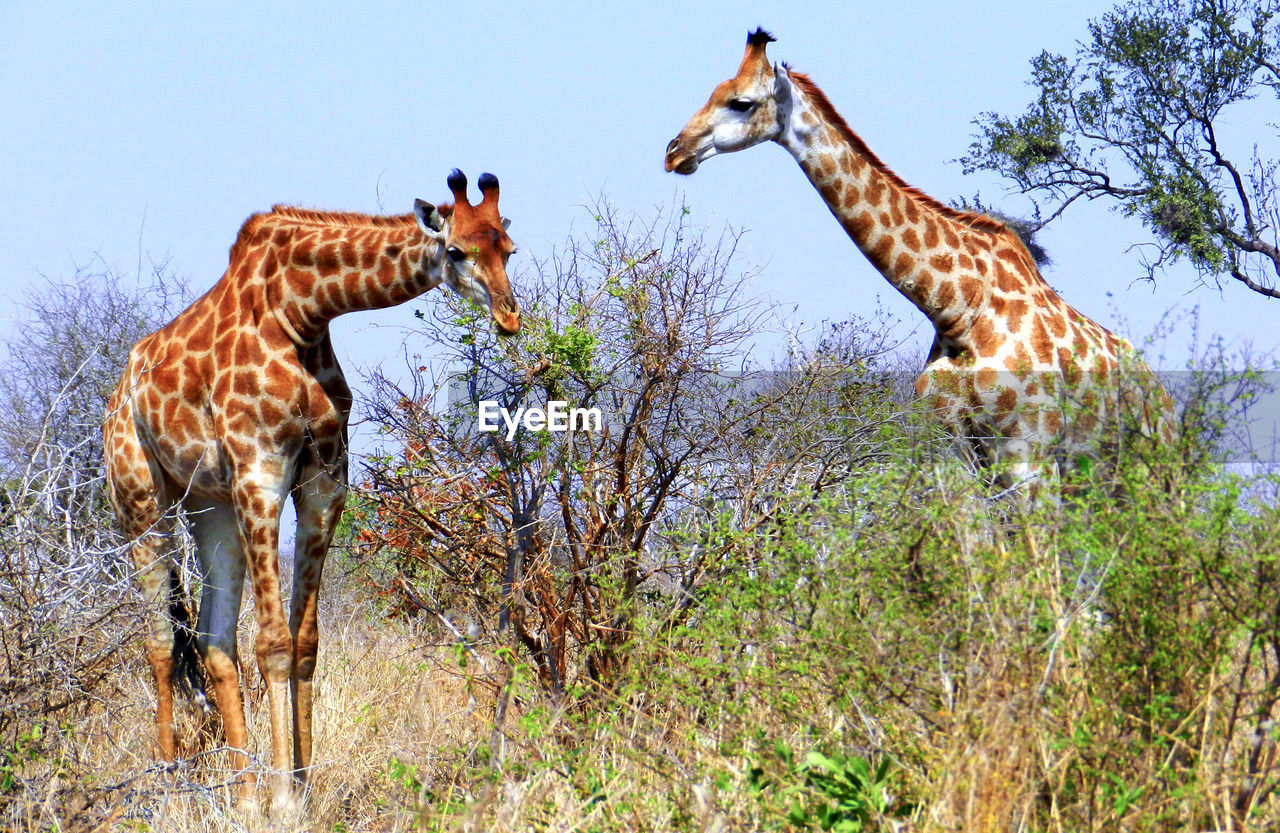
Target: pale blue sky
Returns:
[[165, 125]]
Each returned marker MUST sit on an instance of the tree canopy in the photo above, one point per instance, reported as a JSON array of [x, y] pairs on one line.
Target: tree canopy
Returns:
[[1167, 111]]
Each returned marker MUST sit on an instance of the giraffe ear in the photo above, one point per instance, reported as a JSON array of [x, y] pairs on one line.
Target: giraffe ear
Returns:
[[781, 85], [781, 90], [429, 219]]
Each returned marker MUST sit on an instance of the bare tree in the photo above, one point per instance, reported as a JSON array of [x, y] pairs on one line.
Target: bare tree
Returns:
[[66, 606], [554, 536], [59, 368]]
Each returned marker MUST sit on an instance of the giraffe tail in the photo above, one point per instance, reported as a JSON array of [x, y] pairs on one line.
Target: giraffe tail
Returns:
[[188, 668]]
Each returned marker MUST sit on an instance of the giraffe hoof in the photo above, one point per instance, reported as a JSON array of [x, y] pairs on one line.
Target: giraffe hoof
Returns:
[[250, 815], [286, 809]]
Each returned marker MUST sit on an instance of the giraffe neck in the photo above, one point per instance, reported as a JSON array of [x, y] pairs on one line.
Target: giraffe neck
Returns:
[[320, 266], [927, 251]]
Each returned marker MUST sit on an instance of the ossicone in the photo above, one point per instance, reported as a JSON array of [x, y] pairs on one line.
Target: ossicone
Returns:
[[489, 189], [760, 37], [457, 183]]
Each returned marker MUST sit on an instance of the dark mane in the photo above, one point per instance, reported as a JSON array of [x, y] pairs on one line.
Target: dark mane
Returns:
[[979, 222]]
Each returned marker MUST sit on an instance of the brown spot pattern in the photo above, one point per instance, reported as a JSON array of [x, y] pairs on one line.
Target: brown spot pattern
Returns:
[[945, 296], [874, 192], [859, 226], [1041, 343], [879, 253], [930, 233], [1014, 313]]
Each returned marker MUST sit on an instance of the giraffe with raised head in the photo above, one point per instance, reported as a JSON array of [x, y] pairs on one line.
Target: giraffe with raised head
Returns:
[[238, 403], [1007, 350]]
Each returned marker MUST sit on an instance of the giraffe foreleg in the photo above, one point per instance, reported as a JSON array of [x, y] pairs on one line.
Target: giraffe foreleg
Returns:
[[258, 495], [319, 498]]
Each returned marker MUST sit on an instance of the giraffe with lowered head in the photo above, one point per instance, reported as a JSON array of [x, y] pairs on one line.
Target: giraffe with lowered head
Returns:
[[238, 403], [1007, 349]]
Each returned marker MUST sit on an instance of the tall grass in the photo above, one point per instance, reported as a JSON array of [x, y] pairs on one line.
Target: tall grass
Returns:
[[898, 652]]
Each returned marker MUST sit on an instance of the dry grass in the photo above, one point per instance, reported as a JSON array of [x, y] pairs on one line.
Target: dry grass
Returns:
[[989, 763], [1000, 701], [382, 695], [398, 728]]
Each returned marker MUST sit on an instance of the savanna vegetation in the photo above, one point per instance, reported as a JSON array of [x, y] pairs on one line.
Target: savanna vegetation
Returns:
[[750, 601]]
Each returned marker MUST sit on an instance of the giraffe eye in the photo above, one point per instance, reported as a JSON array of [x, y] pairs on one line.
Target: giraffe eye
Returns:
[[741, 105], [456, 254]]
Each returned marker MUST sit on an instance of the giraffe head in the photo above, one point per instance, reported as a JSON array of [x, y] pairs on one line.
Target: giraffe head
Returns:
[[475, 242], [745, 110]]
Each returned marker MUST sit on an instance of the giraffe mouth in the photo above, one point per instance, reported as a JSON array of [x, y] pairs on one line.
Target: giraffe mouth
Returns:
[[507, 325], [686, 166], [673, 162], [505, 313]]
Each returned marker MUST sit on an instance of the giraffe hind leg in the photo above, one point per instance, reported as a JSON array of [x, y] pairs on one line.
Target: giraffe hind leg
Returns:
[[171, 637], [153, 575], [136, 492], [222, 567]]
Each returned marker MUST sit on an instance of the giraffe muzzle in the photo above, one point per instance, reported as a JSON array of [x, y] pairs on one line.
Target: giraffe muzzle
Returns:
[[684, 166], [506, 316], [508, 325]]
